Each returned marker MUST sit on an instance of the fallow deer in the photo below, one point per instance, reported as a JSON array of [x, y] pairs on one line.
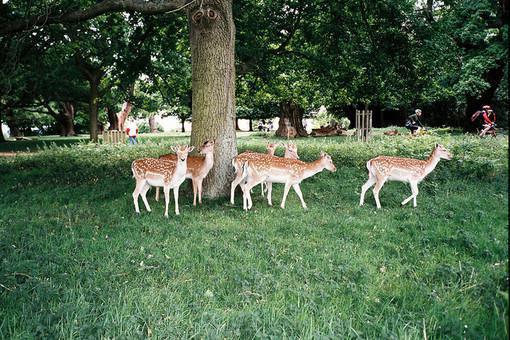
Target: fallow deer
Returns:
[[238, 160], [160, 173], [412, 171], [290, 172], [291, 153], [198, 168]]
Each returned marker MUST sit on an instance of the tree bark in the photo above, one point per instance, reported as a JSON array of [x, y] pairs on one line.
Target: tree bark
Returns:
[[294, 114], [93, 108], [152, 124], [66, 118], [112, 119], [12, 123], [183, 120], [250, 122], [212, 40]]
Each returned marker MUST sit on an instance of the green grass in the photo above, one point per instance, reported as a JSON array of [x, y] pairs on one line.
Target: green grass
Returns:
[[76, 262]]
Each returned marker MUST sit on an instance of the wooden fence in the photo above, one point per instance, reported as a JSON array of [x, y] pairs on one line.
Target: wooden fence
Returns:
[[113, 137], [363, 125]]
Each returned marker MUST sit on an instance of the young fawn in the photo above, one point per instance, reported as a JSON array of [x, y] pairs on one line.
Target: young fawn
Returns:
[[160, 173], [198, 168], [290, 172], [413, 171]]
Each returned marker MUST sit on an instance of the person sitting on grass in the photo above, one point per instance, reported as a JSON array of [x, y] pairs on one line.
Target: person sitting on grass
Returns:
[[413, 122]]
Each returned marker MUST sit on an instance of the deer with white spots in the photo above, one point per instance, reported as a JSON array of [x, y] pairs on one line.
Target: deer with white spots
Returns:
[[198, 168], [240, 159], [290, 172], [160, 173], [412, 171]]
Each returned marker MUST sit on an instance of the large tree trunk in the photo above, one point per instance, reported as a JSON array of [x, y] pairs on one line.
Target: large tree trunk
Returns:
[[67, 119], [112, 119], [93, 108], [250, 122], [212, 40], [12, 123], [123, 114], [293, 114]]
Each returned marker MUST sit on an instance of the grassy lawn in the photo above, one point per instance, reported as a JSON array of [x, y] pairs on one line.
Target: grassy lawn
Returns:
[[77, 262]]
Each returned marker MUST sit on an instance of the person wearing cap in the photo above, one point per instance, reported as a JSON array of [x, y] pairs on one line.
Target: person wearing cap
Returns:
[[488, 120], [413, 122]]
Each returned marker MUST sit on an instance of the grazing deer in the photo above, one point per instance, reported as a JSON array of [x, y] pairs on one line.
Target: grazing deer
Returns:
[[198, 168], [413, 171], [272, 169], [160, 173], [238, 160]]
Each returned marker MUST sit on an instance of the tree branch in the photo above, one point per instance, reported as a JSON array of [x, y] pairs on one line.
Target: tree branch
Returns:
[[106, 6]]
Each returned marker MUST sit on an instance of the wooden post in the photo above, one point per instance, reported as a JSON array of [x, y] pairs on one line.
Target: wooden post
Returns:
[[364, 125]]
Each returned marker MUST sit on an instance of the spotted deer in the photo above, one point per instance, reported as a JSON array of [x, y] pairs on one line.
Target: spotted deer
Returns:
[[198, 168], [290, 152], [412, 171], [239, 159], [290, 172], [160, 173]]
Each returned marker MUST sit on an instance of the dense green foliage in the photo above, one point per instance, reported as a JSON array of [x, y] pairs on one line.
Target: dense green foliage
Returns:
[[77, 262], [447, 57]]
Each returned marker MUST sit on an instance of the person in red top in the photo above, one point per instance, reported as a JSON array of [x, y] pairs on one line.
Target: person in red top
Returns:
[[488, 120], [132, 131]]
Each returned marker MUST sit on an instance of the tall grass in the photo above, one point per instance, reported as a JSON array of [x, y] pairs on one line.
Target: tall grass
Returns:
[[77, 262]]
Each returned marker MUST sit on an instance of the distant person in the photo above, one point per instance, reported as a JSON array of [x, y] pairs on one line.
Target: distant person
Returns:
[[485, 119], [261, 125], [413, 122], [132, 132], [270, 126]]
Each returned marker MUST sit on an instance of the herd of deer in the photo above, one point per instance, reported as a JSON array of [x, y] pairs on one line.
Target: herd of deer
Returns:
[[171, 170]]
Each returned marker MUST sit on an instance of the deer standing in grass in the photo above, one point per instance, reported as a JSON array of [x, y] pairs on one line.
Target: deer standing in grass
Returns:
[[413, 171], [237, 162], [290, 172], [291, 153], [160, 173], [198, 168]]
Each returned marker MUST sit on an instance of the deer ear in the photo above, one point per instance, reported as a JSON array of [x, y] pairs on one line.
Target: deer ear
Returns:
[[173, 148], [437, 145], [191, 148], [323, 153]]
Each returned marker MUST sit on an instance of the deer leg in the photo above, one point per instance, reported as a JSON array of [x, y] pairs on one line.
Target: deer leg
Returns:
[[166, 191], [145, 188], [176, 199], [235, 183], [285, 193], [250, 183], [269, 187], [371, 181], [414, 190], [262, 188], [297, 189], [195, 190], [157, 194], [377, 188], [199, 187], [138, 188]]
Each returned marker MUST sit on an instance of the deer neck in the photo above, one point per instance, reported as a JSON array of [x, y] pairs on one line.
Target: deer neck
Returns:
[[431, 163], [208, 161], [312, 168]]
